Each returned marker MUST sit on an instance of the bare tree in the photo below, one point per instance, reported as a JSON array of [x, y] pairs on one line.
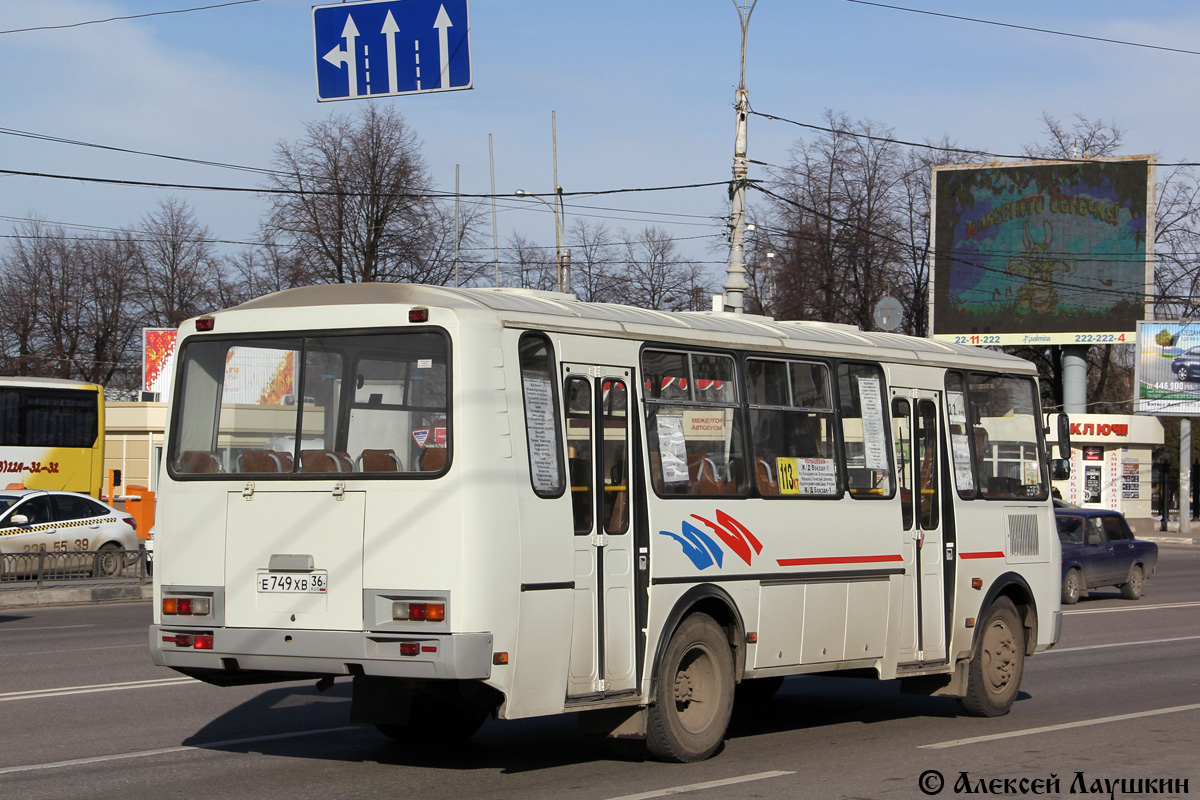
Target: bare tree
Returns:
[[528, 265], [176, 265], [109, 347], [33, 255], [654, 274], [353, 196], [593, 254], [1083, 138], [835, 225]]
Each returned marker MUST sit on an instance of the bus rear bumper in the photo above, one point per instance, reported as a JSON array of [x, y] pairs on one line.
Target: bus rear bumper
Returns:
[[292, 654]]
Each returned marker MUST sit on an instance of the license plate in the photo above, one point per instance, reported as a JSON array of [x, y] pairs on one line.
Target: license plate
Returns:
[[284, 583]]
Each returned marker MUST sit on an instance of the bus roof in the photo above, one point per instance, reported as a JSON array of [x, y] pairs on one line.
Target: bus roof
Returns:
[[556, 311], [48, 383]]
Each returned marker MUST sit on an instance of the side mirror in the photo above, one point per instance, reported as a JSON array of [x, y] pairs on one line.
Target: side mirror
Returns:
[[18, 519], [1064, 437], [1060, 469]]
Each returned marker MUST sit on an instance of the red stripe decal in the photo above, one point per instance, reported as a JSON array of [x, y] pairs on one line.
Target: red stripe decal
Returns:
[[989, 554], [801, 562]]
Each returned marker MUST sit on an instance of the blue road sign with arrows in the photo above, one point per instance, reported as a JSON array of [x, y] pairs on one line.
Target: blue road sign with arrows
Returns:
[[382, 48]]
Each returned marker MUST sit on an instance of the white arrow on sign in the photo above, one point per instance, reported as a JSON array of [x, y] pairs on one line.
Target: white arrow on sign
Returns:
[[390, 29], [347, 57], [442, 23]]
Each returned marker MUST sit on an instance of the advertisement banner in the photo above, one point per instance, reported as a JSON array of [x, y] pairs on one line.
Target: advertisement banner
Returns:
[[1168, 369], [1042, 252], [158, 360]]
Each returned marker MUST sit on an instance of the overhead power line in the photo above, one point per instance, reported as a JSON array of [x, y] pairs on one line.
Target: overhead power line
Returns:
[[1027, 28], [130, 16], [944, 148], [335, 193]]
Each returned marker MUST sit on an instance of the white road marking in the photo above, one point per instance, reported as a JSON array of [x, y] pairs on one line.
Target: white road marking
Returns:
[[180, 749], [66, 691], [695, 787], [1083, 723], [47, 628], [1131, 608], [75, 650], [1120, 644]]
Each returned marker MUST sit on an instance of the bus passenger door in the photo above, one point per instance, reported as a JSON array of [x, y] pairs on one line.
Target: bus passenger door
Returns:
[[598, 454], [915, 415]]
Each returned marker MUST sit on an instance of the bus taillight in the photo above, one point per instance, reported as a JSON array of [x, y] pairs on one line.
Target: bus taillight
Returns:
[[431, 612]]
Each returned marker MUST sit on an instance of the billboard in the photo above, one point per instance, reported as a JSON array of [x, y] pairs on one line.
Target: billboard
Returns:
[[1167, 375], [1042, 252], [158, 360]]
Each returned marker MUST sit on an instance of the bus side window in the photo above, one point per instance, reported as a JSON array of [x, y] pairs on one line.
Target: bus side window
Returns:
[[579, 451], [541, 415], [864, 436]]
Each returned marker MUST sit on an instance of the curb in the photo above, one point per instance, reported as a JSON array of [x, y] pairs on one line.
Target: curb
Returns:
[[74, 595], [1168, 539]]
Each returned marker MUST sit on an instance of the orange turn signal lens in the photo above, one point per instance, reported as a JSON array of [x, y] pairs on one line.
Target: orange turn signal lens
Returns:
[[170, 605]]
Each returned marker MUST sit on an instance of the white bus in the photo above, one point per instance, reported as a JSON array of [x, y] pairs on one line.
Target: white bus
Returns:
[[480, 501]]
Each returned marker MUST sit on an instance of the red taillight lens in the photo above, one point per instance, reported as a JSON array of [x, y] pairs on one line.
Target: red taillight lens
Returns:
[[417, 610], [410, 648], [180, 639], [203, 641], [185, 605], [131, 522], [206, 324], [418, 315]]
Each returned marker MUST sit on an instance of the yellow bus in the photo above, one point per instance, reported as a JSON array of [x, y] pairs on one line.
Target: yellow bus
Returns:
[[51, 434]]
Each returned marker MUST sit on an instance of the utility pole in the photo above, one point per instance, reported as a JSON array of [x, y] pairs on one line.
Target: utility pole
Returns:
[[735, 276]]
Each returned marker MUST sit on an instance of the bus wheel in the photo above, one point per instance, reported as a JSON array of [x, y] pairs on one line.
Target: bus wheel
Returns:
[[695, 693], [436, 720], [994, 673], [110, 561]]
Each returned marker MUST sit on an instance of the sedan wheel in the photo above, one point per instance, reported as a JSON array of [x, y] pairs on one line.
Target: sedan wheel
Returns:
[[110, 561], [1181, 372], [1070, 587], [1133, 588]]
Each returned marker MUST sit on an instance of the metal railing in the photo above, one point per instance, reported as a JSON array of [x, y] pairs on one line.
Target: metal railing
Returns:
[[35, 569]]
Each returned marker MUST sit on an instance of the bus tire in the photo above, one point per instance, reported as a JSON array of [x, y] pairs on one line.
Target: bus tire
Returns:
[[688, 720], [994, 672], [110, 561]]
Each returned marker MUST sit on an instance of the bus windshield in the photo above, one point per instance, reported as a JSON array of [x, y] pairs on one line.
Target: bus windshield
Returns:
[[314, 404]]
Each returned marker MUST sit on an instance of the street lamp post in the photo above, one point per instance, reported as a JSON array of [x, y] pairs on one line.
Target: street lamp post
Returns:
[[562, 257]]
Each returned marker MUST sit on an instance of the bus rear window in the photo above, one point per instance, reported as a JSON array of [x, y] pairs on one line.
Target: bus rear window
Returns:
[[376, 404]]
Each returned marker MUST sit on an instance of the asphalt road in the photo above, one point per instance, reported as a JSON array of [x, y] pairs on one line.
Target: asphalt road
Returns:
[[85, 714]]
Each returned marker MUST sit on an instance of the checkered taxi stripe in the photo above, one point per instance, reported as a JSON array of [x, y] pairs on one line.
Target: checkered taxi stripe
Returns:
[[57, 526]]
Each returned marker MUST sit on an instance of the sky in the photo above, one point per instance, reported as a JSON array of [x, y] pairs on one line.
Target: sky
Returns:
[[641, 92]]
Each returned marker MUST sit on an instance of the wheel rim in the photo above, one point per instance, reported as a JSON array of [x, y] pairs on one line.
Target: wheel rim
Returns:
[[1136, 581], [999, 657], [1182, 373], [1072, 584], [695, 689]]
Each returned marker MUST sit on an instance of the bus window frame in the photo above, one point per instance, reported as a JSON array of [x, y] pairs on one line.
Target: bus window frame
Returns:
[[886, 410], [833, 411], [560, 431], [740, 418], [1039, 444], [171, 453]]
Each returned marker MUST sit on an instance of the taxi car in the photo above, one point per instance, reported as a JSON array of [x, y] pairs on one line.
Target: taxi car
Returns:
[[33, 520], [1098, 549]]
